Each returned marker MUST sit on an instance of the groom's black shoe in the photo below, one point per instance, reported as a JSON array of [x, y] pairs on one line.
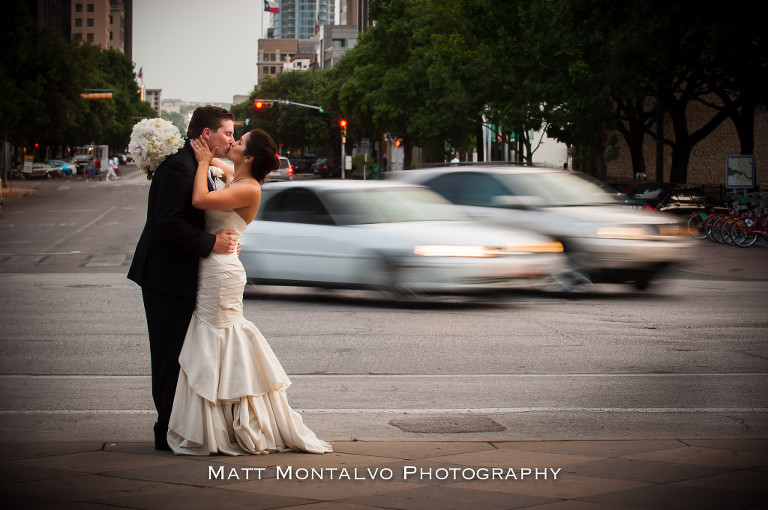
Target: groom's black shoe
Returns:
[[162, 445]]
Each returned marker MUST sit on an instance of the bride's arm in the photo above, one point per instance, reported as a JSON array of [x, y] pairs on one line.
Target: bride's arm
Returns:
[[228, 198], [229, 170]]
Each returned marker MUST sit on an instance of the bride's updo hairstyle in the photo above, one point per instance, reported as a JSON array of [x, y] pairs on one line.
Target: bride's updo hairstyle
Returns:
[[263, 150]]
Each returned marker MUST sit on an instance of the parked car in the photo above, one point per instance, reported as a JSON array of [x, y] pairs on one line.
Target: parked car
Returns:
[[327, 167], [40, 171], [284, 173], [81, 162], [604, 241], [681, 199], [620, 186], [304, 164], [69, 169], [389, 236]]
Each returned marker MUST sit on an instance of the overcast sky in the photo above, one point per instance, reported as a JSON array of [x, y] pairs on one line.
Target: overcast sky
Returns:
[[198, 50]]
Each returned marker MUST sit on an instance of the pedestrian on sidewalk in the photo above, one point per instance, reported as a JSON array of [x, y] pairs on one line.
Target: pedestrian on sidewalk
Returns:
[[111, 169], [117, 166]]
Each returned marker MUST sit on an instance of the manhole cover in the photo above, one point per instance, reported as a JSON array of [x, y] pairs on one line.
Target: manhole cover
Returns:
[[446, 424]]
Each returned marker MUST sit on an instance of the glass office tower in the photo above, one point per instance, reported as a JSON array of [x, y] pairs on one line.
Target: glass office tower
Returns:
[[298, 18]]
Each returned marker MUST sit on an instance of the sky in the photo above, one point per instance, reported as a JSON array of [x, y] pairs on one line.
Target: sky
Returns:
[[198, 50]]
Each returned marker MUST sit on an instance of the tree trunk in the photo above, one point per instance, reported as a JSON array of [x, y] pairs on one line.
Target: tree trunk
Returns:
[[526, 149], [480, 147], [407, 154], [599, 154], [745, 127]]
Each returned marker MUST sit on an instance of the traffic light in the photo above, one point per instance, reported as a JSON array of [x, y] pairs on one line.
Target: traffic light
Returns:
[[261, 104], [343, 125], [398, 142]]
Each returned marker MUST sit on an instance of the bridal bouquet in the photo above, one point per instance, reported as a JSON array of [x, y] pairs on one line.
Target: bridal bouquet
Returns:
[[153, 140]]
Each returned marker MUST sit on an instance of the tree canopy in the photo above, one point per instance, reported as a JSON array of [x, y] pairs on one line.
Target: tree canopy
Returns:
[[429, 70], [43, 76]]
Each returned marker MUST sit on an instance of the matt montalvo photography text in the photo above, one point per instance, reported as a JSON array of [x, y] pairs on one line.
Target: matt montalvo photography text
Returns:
[[407, 473]]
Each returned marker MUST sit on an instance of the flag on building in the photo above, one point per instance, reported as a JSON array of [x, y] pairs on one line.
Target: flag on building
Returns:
[[141, 74], [271, 7], [317, 25]]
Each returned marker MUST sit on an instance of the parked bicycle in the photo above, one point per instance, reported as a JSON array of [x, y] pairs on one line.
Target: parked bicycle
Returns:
[[749, 212]]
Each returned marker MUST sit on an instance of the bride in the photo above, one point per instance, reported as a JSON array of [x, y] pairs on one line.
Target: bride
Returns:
[[230, 396]]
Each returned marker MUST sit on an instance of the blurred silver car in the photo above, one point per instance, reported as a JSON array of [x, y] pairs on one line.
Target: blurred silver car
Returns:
[[387, 236], [605, 242]]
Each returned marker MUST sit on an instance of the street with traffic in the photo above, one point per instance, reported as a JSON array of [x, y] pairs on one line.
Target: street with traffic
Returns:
[[652, 399]]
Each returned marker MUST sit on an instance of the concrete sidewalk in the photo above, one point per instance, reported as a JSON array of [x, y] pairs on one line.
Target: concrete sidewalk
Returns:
[[400, 474]]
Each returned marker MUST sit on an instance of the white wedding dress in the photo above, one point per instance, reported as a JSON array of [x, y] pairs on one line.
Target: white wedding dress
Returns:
[[230, 396]]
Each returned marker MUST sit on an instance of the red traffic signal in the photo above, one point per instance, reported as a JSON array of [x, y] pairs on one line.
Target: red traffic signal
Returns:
[[398, 142], [343, 125], [260, 104]]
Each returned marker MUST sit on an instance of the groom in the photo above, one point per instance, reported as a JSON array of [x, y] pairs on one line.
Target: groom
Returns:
[[167, 255]]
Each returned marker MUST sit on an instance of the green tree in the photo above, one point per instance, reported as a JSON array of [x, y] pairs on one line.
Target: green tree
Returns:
[[393, 82], [43, 76], [295, 128]]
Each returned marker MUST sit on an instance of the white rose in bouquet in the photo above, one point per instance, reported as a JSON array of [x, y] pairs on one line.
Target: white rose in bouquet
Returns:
[[153, 140]]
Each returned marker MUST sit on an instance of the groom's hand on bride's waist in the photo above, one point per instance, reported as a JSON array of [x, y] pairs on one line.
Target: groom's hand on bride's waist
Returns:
[[226, 242]]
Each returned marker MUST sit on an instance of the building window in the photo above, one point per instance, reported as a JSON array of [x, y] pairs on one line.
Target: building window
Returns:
[[89, 22], [89, 37], [89, 8], [282, 57], [265, 70], [110, 35], [272, 70], [78, 22], [272, 57], [78, 7], [77, 36], [110, 19]]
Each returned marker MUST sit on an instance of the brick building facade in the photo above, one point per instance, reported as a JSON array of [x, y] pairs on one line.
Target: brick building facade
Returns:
[[707, 163]]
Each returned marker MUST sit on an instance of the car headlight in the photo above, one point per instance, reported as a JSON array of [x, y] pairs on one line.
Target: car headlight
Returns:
[[542, 247], [622, 233], [487, 251], [456, 251]]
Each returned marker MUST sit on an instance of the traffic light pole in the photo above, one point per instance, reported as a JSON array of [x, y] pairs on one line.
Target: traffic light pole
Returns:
[[285, 101]]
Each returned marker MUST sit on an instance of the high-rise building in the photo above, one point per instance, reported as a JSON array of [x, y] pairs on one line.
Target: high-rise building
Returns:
[[50, 13], [105, 23], [301, 19], [354, 12], [154, 97]]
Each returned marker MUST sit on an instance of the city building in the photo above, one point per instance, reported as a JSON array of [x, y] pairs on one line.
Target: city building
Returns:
[[355, 12], [335, 40], [276, 54], [302, 19], [54, 14], [301, 62], [117, 25], [104, 23], [154, 97]]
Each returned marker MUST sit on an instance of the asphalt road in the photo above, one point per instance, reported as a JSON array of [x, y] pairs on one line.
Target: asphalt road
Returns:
[[687, 358]]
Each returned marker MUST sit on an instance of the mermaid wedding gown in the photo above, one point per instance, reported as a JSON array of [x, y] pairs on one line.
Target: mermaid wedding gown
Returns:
[[230, 396]]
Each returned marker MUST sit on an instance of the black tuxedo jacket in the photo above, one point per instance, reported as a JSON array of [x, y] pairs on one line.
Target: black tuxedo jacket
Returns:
[[173, 240]]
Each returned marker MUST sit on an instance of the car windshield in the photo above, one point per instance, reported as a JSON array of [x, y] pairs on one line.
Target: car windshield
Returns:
[[284, 163], [556, 189], [390, 205]]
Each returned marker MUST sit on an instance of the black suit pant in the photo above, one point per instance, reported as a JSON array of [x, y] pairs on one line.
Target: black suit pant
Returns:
[[167, 321]]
